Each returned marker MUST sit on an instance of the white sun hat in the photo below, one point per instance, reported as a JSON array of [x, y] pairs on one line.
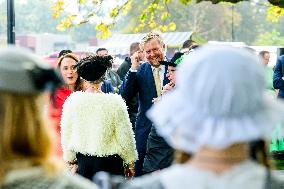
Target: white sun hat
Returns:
[[219, 100]]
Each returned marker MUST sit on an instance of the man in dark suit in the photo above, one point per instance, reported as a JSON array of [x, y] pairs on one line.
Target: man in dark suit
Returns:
[[278, 76], [111, 75], [147, 80], [159, 154], [132, 104]]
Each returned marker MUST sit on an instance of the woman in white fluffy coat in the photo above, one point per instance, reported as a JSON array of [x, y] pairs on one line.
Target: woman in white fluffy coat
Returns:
[[95, 127]]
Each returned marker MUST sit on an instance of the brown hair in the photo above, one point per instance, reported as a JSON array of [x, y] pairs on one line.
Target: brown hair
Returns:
[[181, 157], [69, 55], [134, 47], [258, 152], [262, 53], [24, 139], [78, 84]]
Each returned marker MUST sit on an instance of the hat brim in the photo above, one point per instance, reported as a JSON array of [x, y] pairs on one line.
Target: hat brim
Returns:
[[186, 129], [167, 63]]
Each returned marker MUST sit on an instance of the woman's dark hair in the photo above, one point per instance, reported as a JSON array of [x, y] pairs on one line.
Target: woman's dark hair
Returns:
[[64, 52], [93, 68], [101, 49]]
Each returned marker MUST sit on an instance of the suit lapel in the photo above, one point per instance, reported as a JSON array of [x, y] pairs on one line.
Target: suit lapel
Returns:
[[166, 80], [150, 80]]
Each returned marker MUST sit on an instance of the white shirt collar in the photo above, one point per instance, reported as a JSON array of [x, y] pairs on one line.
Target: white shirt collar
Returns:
[[161, 66]]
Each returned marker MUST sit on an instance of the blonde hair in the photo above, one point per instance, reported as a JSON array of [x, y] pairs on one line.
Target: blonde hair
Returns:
[[24, 139], [149, 36]]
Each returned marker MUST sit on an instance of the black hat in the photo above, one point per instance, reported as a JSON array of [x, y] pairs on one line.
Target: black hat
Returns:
[[172, 62], [92, 68], [64, 52]]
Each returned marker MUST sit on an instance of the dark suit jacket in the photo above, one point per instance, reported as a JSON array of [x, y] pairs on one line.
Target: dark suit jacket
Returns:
[[123, 68], [107, 87], [132, 104], [278, 82], [141, 82]]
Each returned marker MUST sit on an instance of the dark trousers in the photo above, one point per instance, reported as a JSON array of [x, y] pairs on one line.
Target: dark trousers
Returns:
[[88, 166], [139, 164], [159, 154]]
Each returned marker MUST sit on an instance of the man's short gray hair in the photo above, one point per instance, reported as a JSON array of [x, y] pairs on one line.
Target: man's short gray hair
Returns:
[[149, 36]]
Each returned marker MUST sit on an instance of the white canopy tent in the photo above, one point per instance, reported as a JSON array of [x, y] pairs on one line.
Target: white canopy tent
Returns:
[[120, 43]]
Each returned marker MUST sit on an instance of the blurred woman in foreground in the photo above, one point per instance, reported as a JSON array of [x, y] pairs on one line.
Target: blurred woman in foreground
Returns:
[[25, 143], [217, 108]]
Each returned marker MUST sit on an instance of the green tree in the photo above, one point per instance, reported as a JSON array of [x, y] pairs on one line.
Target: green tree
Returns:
[[213, 22], [31, 18], [209, 22], [3, 24], [3, 18], [153, 14], [270, 38]]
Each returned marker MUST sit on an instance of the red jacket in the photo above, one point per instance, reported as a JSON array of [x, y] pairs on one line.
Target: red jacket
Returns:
[[55, 112]]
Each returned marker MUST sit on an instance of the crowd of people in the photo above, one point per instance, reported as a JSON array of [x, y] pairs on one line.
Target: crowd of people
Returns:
[[200, 119]]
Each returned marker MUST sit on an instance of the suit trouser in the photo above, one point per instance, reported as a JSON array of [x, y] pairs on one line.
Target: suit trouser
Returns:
[[141, 136], [159, 154]]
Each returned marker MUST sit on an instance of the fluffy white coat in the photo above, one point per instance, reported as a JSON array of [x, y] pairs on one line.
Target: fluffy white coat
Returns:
[[96, 124]]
